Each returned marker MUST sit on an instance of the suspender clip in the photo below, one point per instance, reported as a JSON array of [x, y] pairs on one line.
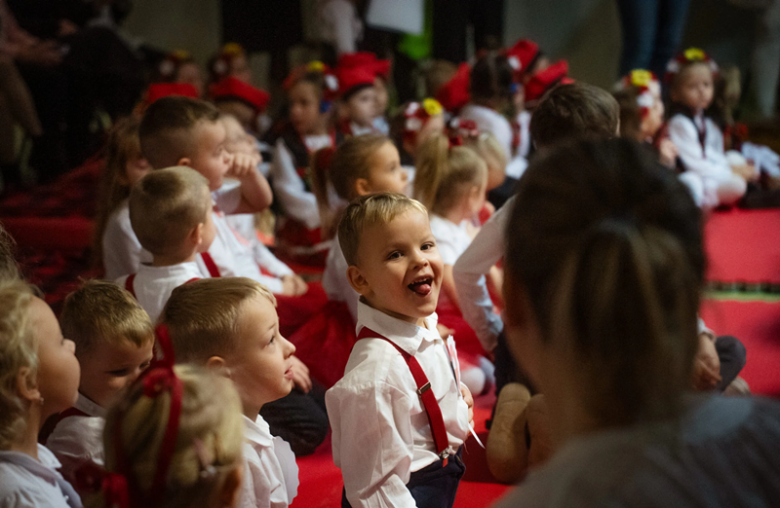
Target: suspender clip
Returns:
[[424, 388]]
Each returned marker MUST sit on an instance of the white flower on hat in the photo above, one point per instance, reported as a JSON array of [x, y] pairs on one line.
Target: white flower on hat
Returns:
[[331, 82], [515, 63], [413, 124]]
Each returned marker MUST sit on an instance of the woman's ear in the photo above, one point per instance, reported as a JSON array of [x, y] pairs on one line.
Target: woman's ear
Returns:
[[362, 187], [358, 281], [27, 385]]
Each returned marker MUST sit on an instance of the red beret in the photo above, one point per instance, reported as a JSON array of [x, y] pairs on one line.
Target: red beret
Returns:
[[231, 88], [544, 81], [365, 59], [159, 90], [454, 94], [351, 77], [521, 56]]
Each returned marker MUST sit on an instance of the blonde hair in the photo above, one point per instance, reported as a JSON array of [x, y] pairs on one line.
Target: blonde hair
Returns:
[[368, 211], [123, 147], [341, 169], [445, 174], [9, 269], [102, 311], [202, 316], [17, 350], [208, 442], [166, 205], [487, 146]]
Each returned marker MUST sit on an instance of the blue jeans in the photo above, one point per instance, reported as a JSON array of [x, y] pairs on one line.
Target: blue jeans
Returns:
[[652, 33]]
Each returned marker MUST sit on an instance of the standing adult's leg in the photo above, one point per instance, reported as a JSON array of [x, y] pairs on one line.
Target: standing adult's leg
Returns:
[[639, 19], [450, 19], [672, 16], [765, 64]]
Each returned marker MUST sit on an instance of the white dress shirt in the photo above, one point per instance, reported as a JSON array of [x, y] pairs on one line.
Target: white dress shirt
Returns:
[[380, 428], [153, 285], [335, 282], [488, 120], [296, 201], [77, 440], [451, 239], [121, 248], [485, 250], [29, 483], [270, 471]]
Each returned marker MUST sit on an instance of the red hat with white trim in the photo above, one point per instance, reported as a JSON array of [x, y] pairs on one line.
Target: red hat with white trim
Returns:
[[522, 57], [544, 81], [353, 78], [366, 59]]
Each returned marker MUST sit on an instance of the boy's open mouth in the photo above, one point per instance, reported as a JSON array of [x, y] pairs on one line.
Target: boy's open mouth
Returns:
[[422, 286]]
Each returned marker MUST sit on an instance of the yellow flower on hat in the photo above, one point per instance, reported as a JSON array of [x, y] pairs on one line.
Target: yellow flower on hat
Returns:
[[641, 78], [694, 54], [232, 48], [315, 66], [432, 107]]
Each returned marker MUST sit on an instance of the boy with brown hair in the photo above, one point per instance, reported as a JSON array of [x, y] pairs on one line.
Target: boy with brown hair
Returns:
[[114, 339], [401, 373], [170, 211]]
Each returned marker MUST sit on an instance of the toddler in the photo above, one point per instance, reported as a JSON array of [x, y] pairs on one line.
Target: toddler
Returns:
[[179, 67], [114, 339], [230, 326], [170, 210], [40, 378], [415, 123], [408, 452], [698, 139]]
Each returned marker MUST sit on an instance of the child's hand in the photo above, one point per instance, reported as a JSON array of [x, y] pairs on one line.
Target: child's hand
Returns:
[[707, 364], [667, 151], [746, 171], [469, 402], [293, 285], [300, 374], [444, 331], [243, 165]]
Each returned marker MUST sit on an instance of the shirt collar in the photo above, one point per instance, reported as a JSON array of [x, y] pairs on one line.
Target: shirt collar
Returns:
[[189, 268], [257, 432], [407, 336], [90, 408]]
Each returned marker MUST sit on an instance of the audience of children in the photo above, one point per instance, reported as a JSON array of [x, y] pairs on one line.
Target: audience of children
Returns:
[[113, 347]]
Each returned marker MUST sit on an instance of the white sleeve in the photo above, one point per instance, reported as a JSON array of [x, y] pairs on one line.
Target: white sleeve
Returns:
[[469, 273], [77, 441], [288, 187], [266, 260], [372, 444], [683, 134], [228, 200], [121, 248]]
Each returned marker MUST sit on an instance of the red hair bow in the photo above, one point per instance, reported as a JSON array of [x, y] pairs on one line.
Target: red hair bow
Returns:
[[456, 141], [91, 478]]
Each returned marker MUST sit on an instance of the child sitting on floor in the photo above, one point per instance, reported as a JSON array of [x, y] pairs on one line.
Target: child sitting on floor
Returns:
[[40, 378], [357, 101], [381, 70], [230, 326], [415, 123], [170, 210], [179, 67], [408, 452], [114, 340], [116, 245]]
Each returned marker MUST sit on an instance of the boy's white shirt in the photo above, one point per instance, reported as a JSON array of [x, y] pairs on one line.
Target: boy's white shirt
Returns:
[[488, 120], [451, 239], [270, 471], [289, 189], [121, 248], [153, 285], [380, 428], [469, 271], [78, 440], [34, 486]]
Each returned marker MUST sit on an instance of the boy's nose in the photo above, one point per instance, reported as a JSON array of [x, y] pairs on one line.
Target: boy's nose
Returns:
[[288, 347]]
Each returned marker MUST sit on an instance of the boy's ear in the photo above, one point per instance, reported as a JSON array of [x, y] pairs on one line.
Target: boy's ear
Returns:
[[217, 364], [196, 235], [27, 385], [357, 281], [184, 161], [362, 187]]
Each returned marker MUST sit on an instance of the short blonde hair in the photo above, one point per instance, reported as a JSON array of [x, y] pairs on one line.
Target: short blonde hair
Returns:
[[368, 211], [210, 436], [165, 206], [202, 316], [487, 146], [102, 311], [17, 350]]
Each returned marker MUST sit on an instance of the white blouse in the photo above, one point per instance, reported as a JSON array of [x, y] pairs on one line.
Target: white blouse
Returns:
[[29, 483]]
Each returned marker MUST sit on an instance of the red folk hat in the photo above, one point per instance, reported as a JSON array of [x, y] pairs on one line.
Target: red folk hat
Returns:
[[159, 90], [544, 81], [454, 94], [231, 88], [353, 77], [522, 56], [366, 59]]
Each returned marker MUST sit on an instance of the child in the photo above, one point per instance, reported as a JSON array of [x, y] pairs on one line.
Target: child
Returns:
[[413, 125], [499, 187], [179, 67], [114, 339], [170, 210], [381, 69], [408, 452], [230, 326], [698, 139], [357, 100], [604, 273], [116, 245], [160, 457], [229, 61], [243, 101], [40, 378], [310, 91], [362, 165]]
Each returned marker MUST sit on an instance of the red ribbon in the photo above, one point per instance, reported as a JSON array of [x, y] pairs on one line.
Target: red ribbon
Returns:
[[91, 478], [456, 141]]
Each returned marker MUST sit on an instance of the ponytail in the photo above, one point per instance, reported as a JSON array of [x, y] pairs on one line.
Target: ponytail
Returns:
[[432, 165]]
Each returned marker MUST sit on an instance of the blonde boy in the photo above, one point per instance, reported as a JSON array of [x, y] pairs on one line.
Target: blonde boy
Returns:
[[170, 211], [114, 339], [230, 325], [382, 430]]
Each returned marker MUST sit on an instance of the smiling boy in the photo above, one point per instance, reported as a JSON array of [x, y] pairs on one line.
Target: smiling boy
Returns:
[[399, 415]]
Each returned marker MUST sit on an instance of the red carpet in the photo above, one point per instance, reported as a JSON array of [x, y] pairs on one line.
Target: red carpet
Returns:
[[743, 246]]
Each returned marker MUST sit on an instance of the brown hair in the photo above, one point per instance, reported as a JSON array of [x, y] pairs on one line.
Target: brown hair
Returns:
[[368, 211], [101, 311], [202, 316], [166, 128], [123, 147], [630, 114], [166, 205], [491, 79], [445, 174], [574, 110], [438, 74], [9, 269], [607, 245]]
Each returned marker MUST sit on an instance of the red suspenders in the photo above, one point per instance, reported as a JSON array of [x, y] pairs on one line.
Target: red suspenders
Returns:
[[427, 396], [211, 266]]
